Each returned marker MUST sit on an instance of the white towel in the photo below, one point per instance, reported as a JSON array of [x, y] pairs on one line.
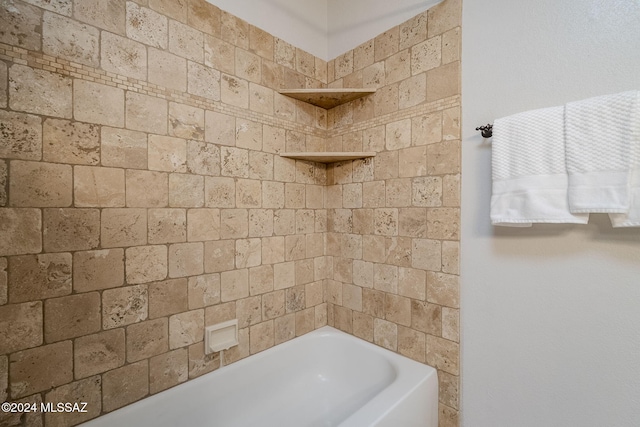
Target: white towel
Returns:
[[632, 217], [528, 168], [598, 135]]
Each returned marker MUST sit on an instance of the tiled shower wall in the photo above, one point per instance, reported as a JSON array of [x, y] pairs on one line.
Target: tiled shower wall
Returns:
[[394, 221], [142, 197]]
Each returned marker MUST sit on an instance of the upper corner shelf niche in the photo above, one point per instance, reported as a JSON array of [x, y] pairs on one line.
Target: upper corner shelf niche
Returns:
[[327, 98]]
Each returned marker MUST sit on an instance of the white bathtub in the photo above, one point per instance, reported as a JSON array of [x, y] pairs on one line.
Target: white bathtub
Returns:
[[323, 378]]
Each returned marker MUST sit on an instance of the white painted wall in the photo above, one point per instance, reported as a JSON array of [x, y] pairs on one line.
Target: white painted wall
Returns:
[[325, 28], [550, 315]]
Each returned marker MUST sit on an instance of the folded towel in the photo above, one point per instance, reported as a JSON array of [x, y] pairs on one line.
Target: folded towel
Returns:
[[528, 168], [632, 217], [598, 135]]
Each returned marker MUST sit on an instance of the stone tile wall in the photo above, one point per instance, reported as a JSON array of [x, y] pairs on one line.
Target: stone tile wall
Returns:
[[142, 197], [394, 220]]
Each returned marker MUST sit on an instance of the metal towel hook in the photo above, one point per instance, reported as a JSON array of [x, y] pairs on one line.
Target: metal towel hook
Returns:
[[487, 130]]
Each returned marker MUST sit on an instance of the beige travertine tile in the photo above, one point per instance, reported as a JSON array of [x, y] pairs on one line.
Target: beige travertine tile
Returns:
[[363, 55], [352, 297], [397, 67], [248, 66], [203, 158], [385, 334], [373, 194], [98, 187], [220, 192], [21, 231], [71, 142], [203, 16], [146, 113], [451, 257], [123, 148], [261, 42], [444, 16], [397, 309], [304, 271], [106, 14], [272, 75], [220, 313], [167, 70], [272, 250], [147, 189], [37, 184], [168, 369], [426, 254], [284, 53], [147, 339], [261, 336], [186, 328], [249, 311], [167, 297], [426, 317], [443, 223], [3, 183], [426, 55], [68, 229], [100, 269], [343, 319], [97, 353], [443, 289], [412, 91], [273, 139], [386, 221], [305, 63], [234, 91], [248, 193], [146, 263], [427, 191], [387, 43], [398, 250], [200, 363], [305, 321], [28, 418], [373, 76], [146, 26], [240, 351], [234, 224], [248, 253], [451, 324], [71, 40], [203, 290], [412, 283], [219, 256], [426, 129], [234, 285], [443, 354], [36, 277], [373, 248], [219, 54], [260, 279], [398, 194], [234, 162], [203, 81], [203, 224], [176, 9], [451, 46], [411, 343], [123, 227], [88, 391], [23, 136], [413, 31], [344, 64], [30, 369], [260, 165], [22, 25], [443, 81], [186, 41], [385, 278], [123, 306], [186, 121], [110, 111], [125, 385], [186, 259], [71, 316], [412, 222], [363, 326], [451, 189], [220, 128], [21, 326], [123, 56], [3, 284], [167, 225], [186, 191], [234, 30]]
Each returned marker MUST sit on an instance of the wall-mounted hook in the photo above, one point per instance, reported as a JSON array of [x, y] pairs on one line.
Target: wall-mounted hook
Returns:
[[487, 130]]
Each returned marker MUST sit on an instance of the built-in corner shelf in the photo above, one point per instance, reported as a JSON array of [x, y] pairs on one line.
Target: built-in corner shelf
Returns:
[[329, 156], [327, 98]]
